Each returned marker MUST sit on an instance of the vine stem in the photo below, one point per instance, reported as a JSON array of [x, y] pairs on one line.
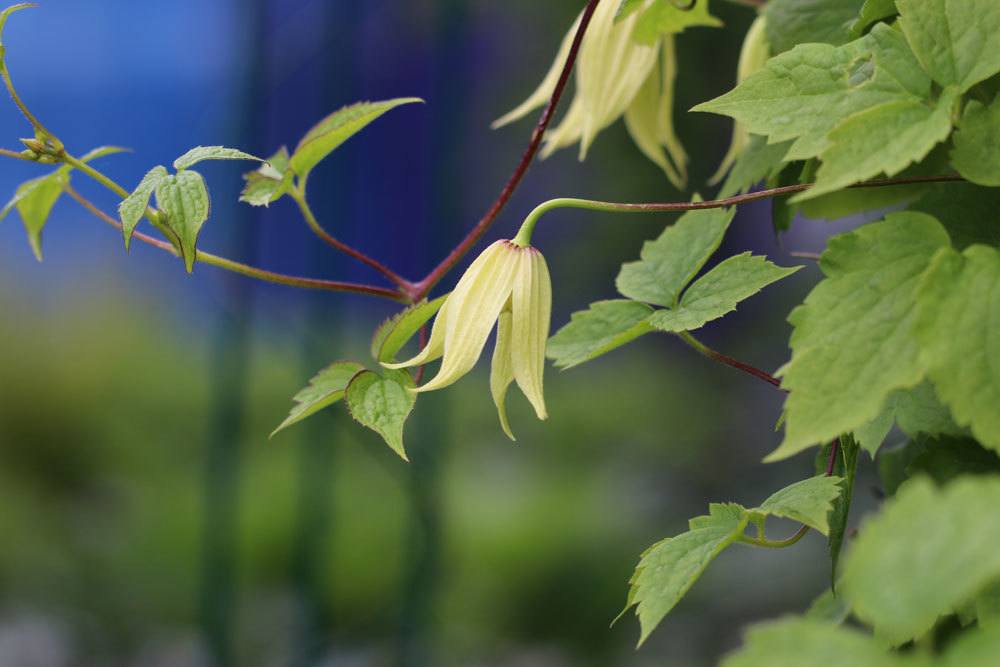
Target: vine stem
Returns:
[[706, 351], [424, 287], [6, 152], [237, 267], [408, 288]]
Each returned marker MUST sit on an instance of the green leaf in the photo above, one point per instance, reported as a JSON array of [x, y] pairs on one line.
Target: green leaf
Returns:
[[202, 153], [799, 642], [929, 551], [34, 200], [133, 207], [670, 262], [881, 140], [794, 22], [959, 332], [325, 389], [395, 332], [605, 326], [845, 466], [337, 128], [759, 161], [854, 341], [917, 411], [807, 92], [664, 18], [183, 198], [894, 462], [719, 291], [808, 502], [970, 213], [977, 143], [956, 41], [946, 459], [270, 182], [383, 403], [668, 569], [977, 648], [988, 610], [871, 12], [829, 608], [102, 151]]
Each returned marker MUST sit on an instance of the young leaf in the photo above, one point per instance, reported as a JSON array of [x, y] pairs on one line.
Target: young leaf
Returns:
[[947, 540], [395, 332], [959, 332], [793, 22], [798, 642], [845, 466], [34, 200], [719, 291], [202, 153], [809, 502], [102, 151], [854, 341], [337, 128], [134, 206], [668, 569], [382, 403], [757, 162], [183, 198], [956, 41], [590, 333], [664, 18], [976, 155], [670, 262], [270, 182], [871, 12], [325, 389], [918, 411]]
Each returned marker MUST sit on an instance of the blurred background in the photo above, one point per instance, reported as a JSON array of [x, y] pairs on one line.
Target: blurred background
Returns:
[[145, 517]]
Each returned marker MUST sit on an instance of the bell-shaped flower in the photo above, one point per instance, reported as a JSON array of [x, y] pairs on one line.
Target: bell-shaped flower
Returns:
[[507, 285], [618, 74]]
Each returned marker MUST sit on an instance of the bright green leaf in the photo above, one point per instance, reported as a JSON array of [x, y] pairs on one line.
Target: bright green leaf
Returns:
[[719, 291], [829, 608], [918, 411], [325, 389], [34, 200], [202, 153], [270, 182], [757, 162], [670, 262], [871, 12], [102, 151], [928, 551], [183, 198], [133, 207], [959, 331], [799, 642], [956, 41], [606, 325], [976, 648], [854, 341], [337, 128], [663, 17], [793, 22], [977, 143], [809, 502], [382, 403], [395, 332]]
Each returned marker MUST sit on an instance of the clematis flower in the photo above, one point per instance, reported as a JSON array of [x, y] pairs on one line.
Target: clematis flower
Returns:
[[621, 73], [507, 285]]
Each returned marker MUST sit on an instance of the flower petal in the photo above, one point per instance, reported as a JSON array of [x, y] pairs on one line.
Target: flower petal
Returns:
[[531, 307], [643, 120], [474, 306], [435, 346], [502, 372]]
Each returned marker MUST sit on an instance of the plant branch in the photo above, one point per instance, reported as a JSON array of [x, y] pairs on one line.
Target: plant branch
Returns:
[[775, 544], [6, 152], [706, 351], [405, 286], [455, 256], [237, 267]]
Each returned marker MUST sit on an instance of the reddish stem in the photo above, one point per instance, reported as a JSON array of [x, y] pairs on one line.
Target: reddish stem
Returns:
[[746, 368]]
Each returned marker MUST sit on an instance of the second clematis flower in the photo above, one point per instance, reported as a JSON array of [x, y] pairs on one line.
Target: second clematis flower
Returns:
[[507, 285]]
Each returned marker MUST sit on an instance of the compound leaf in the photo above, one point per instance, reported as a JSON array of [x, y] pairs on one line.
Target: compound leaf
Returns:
[[395, 332], [325, 388], [808, 502], [606, 325]]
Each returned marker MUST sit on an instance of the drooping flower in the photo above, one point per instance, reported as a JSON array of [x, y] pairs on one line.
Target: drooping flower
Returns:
[[626, 67], [507, 285]]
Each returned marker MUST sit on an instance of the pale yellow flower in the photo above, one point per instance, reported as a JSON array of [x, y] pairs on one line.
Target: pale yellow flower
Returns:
[[507, 285]]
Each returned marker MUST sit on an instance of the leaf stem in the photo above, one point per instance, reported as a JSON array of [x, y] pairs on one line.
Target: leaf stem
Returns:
[[405, 286], [455, 256], [6, 152], [243, 269], [775, 544], [706, 351], [41, 132]]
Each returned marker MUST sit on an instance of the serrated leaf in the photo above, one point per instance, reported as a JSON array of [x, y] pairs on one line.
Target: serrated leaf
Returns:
[[809, 502], [800, 642], [183, 198], [325, 388], [918, 411], [133, 207], [670, 262], [383, 403], [956, 41], [759, 161], [605, 326], [270, 182], [881, 140], [34, 200], [395, 332], [793, 22], [871, 12], [337, 128], [854, 341], [805, 93], [202, 153], [718, 292], [970, 213], [928, 551], [662, 17], [668, 569], [976, 155], [959, 332]]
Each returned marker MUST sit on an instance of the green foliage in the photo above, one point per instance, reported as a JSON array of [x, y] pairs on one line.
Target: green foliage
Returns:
[[183, 200], [337, 128], [807, 502], [325, 389], [394, 333], [796, 642], [202, 153], [945, 539], [663, 17], [871, 12], [977, 143], [606, 325], [34, 200], [759, 161], [845, 465], [272, 181], [382, 402], [793, 22], [133, 208]]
